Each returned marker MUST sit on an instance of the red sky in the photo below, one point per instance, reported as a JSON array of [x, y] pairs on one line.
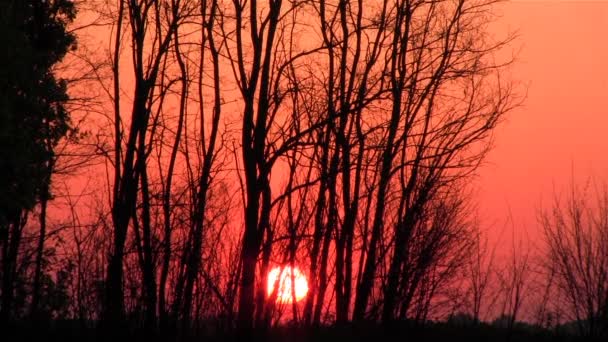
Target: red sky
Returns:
[[562, 128]]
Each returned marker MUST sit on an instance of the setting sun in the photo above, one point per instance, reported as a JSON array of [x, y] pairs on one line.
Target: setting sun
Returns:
[[282, 277]]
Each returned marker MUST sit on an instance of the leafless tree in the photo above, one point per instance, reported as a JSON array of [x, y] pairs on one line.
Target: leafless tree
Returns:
[[480, 273], [435, 136], [576, 237], [350, 128], [515, 282], [150, 26]]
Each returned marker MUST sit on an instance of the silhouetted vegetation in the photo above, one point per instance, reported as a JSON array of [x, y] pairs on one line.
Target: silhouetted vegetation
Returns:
[[32, 121], [431, 331]]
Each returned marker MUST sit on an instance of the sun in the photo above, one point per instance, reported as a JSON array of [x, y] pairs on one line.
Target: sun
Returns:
[[282, 277]]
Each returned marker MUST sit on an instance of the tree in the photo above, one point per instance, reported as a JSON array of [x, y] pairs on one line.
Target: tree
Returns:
[[480, 268], [151, 28], [351, 148], [576, 239], [260, 78], [446, 97], [33, 119], [353, 80], [515, 283]]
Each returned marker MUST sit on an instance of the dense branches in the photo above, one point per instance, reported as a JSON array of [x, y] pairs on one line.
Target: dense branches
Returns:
[[576, 237], [334, 135]]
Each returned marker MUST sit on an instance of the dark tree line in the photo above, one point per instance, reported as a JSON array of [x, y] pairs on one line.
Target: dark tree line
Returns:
[[229, 137], [32, 122]]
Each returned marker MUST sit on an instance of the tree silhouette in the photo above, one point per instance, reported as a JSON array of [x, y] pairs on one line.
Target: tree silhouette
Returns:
[[576, 258], [32, 121], [334, 136]]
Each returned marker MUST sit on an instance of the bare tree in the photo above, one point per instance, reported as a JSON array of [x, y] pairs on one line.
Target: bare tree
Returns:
[[480, 271], [515, 284], [150, 27], [209, 147], [353, 45], [576, 238], [259, 70], [352, 149], [434, 137]]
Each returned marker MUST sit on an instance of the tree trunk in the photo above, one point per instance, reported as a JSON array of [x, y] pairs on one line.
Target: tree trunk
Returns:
[[9, 265], [40, 250]]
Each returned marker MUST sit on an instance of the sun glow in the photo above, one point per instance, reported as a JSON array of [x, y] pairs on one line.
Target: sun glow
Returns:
[[279, 284]]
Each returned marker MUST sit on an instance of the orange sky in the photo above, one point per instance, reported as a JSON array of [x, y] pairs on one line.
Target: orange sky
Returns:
[[562, 59], [562, 127]]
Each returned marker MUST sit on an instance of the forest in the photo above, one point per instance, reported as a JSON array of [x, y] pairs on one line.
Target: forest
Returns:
[[284, 169]]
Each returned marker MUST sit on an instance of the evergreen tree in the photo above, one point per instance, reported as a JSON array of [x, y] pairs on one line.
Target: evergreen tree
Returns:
[[34, 38]]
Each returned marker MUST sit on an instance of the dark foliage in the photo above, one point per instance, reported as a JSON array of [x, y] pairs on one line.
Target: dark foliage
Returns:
[[33, 118], [397, 331]]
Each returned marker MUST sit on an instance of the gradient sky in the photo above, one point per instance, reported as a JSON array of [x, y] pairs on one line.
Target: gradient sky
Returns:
[[561, 130]]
